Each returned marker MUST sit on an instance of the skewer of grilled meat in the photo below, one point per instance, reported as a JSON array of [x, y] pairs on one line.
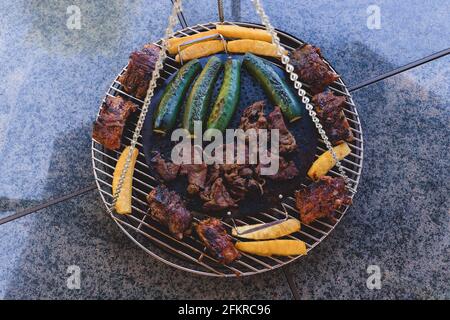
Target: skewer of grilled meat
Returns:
[[321, 198], [287, 140], [311, 69], [216, 239], [108, 127], [330, 112], [136, 78], [169, 209]]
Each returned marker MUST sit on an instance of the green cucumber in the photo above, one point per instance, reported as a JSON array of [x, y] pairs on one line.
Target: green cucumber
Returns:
[[275, 87], [199, 98], [228, 96], [172, 98]]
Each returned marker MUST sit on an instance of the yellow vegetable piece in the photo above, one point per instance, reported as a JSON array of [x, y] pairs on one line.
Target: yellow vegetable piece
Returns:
[[273, 247], [172, 44], [123, 204], [243, 33], [325, 162], [258, 47], [276, 231], [201, 49]]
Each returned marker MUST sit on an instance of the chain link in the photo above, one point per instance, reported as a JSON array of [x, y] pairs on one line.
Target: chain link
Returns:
[[176, 8], [298, 86]]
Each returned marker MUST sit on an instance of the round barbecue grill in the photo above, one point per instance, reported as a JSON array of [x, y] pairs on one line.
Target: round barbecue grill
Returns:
[[189, 254]]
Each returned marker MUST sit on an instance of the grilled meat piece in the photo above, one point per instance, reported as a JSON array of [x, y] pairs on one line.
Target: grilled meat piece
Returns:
[[137, 77], [167, 170], [253, 117], [287, 140], [216, 239], [287, 169], [195, 172], [109, 125], [311, 69], [168, 208], [217, 197], [241, 179], [329, 111], [321, 198]]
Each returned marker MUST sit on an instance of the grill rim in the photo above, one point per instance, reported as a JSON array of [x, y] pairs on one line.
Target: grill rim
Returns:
[[357, 163]]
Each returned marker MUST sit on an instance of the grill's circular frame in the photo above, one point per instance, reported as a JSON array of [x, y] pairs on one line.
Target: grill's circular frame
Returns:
[[188, 254]]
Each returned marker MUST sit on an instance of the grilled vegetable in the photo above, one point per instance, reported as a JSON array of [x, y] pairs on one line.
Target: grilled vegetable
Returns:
[[325, 161], [228, 96], [172, 98], [243, 33], [201, 49], [274, 86], [200, 96], [123, 204], [258, 47], [275, 231], [273, 247], [173, 43]]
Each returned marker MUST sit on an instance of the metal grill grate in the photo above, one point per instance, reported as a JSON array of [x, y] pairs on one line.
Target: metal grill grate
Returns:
[[189, 254]]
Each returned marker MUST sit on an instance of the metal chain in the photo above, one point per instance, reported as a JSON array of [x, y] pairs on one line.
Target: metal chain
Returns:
[[298, 85], [176, 8]]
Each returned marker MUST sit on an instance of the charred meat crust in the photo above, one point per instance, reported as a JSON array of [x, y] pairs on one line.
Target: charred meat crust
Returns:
[[309, 65], [321, 198], [216, 239], [108, 127], [169, 209]]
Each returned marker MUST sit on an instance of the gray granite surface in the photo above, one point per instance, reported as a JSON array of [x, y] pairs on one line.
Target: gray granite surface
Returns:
[[400, 219], [53, 82]]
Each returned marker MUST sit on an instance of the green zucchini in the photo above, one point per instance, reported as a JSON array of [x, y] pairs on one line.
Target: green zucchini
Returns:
[[199, 98], [228, 96], [275, 87], [172, 98]]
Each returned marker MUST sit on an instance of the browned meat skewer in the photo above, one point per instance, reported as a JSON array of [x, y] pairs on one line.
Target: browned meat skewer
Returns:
[[329, 111], [168, 208], [109, 125], [287, 140], [216, 239], [311, 69], [136, 78], [321, 198]]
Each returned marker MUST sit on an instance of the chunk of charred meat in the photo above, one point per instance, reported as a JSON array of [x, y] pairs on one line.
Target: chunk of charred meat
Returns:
[[137, 77], [287, 142], [217, 198], [241, 179], [311, 69], [216, 239], [167, 170], [287, 170], [253, 117], [321, 198], [196, 175], [168, 208], [196, 172], [329, 110], [108, 127]]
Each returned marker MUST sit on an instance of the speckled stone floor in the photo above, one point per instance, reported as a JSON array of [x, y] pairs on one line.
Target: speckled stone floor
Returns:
[[53, 80]]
